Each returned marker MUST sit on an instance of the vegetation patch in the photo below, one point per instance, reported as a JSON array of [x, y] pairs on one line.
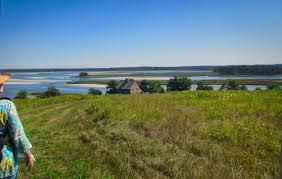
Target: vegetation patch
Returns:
[[189, 134]]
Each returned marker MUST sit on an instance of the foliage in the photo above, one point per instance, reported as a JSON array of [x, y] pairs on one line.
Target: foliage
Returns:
[[93, 91], [21, 95], [83, 74], [112, 84], [179, 84], [233, 85], [51, 92], [151, 86], [201, 86], [250, 70], [273, 86], [190, 134]]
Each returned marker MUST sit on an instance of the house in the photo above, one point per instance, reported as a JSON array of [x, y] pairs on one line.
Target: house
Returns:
[[128, 86]]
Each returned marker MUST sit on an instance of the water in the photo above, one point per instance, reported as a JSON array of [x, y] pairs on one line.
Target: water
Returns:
[[39, 82]]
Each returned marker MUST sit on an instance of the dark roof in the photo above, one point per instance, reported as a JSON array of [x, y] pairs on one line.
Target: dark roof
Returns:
[[125, 84]]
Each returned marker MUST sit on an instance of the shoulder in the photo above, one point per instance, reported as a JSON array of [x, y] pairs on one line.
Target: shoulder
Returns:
[[7, 103]]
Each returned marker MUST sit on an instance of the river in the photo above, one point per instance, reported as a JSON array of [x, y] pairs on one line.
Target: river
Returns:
[[39, 82]]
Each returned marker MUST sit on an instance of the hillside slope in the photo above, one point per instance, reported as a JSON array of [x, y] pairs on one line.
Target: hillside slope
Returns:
[[194, 134]]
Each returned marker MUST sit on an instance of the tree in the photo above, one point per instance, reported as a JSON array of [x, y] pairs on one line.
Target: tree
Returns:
[[52, 91], [112, 84], [83, 74], [273, 86], [233, 85], [179, 84], [21, 95], [151, 86], [201, 86], [93, 91]]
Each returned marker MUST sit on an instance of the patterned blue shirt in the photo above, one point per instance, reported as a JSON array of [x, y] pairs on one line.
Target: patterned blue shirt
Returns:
[[16, 142]]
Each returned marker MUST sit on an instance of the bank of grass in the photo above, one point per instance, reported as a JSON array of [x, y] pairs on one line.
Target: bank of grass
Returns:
[[193, 134]]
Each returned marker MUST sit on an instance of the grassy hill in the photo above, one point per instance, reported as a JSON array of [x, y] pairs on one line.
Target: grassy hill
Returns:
[[193, 134]]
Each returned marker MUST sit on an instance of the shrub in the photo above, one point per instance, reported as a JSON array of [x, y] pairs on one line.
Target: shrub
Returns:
[[83, 74], [179, 84], [201, 86], [52, 91], [273, 86], [233, 85], [21, 95], [93, 91]]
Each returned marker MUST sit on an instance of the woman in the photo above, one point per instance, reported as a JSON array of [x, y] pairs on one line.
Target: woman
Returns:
[[12, 137]]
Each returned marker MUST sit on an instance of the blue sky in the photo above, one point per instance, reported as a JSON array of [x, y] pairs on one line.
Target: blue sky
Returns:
[[114, 33]]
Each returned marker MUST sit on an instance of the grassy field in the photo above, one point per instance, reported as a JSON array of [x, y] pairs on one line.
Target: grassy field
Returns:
[[193, 134]]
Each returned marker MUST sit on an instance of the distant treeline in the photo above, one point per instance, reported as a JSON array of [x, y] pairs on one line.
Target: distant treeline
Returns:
[[250, 70]]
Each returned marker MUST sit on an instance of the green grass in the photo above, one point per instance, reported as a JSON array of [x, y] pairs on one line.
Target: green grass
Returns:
[[193, 134]]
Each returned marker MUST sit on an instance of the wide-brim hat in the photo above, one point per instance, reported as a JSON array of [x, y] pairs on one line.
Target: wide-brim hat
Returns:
[[4, 77]]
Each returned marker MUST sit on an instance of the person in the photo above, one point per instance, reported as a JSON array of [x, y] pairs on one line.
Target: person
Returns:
[[13, 139]]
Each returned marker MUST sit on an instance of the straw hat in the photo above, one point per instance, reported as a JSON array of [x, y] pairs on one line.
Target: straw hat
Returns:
[[4, 77]]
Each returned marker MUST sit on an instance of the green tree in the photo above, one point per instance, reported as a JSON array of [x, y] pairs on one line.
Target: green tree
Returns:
[[179, 84], [201, 86], [233, 85], [83, 74], [52, 91], [112, 87], [151, 86], [93, 91], [21, 95]]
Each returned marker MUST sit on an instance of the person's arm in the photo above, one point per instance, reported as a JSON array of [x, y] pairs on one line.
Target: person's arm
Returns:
[[18, 136]]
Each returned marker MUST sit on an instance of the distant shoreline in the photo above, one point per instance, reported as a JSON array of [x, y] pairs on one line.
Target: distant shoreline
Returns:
[[140, 68]]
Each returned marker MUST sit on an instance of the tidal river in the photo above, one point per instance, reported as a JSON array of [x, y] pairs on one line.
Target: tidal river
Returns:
[[39, 82]]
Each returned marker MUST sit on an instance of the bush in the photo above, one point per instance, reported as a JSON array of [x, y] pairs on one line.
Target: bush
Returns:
[[179, 84], [233, 85], [52, 91], [201, 86], [93, 91], [273, 86], [83, 74], [151, 86], [21, 95]]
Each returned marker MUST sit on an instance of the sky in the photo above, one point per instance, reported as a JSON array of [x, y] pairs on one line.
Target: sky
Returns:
[[122, 33]]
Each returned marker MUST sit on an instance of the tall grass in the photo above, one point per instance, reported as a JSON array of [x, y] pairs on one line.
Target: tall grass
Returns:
[[193, 134]]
